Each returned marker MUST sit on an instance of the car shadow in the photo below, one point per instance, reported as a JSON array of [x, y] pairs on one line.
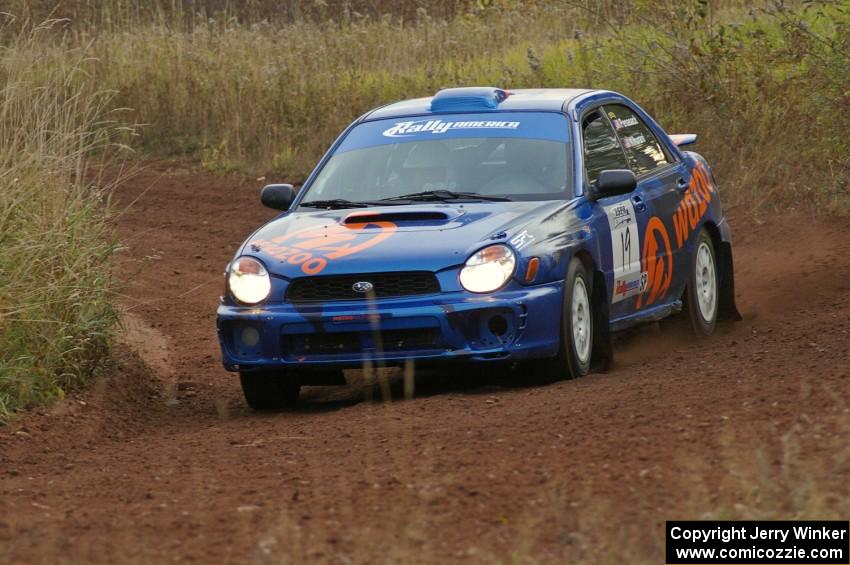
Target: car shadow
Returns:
[[389, 385], [631, 346]]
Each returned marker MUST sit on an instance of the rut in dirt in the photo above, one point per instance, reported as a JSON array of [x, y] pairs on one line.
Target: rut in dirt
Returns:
[[162, 461]]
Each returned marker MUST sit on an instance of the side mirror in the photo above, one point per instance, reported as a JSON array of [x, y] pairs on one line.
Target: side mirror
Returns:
[[614, 182], [277, 196]]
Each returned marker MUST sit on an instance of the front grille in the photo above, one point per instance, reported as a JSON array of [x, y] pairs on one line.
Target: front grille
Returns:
[[340, 343], [339, 287]]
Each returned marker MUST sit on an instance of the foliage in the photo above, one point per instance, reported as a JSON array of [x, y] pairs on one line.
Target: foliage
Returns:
[[55, 312], [236, 91], [765, 93]]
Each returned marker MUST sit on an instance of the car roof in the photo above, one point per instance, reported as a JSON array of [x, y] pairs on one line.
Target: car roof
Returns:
[[481, 99]]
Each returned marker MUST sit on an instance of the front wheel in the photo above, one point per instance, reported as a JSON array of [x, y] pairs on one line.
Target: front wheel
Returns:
[[577, 331], [269, 390], [701, 296]]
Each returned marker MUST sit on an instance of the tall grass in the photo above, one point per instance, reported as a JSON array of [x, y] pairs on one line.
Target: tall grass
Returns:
[[119, 15], [55, 312], [272, 97], [764, 88]]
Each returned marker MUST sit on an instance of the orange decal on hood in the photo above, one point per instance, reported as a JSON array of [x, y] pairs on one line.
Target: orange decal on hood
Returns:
[[314, 247]]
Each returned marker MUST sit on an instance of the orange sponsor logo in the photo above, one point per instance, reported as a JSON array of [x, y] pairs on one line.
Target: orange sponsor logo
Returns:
[[693, 205], [657, 262], [314, 247], [657, 254]]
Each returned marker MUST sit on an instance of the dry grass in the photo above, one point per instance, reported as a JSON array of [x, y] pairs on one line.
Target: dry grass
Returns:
[[55, 311], [268, 95]]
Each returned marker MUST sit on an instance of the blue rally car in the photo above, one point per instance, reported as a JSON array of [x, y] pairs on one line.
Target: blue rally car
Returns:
[[477, 226]]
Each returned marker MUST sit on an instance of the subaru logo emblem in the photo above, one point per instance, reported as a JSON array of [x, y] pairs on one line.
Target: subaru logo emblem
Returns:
[[362, 286]]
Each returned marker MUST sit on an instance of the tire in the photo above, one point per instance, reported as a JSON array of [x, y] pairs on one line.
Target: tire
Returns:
[[577, 326], [702, 295], [269, 390]]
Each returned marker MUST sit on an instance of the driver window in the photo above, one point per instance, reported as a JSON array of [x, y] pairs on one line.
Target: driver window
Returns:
[[602, 150]]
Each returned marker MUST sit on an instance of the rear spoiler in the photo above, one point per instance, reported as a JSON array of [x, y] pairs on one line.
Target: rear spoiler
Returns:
[[680, 139]]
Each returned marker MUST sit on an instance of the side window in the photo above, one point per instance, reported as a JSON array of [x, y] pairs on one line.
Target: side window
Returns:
[[641, 145], [602, 151]]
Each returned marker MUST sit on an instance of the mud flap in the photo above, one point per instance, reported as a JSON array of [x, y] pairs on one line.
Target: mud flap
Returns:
[[727, 310], [602, 355]]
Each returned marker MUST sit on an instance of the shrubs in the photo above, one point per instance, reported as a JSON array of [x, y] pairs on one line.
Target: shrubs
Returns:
[[764, 89]]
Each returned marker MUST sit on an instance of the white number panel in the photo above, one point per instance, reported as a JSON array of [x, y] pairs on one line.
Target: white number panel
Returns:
[[625, 251]]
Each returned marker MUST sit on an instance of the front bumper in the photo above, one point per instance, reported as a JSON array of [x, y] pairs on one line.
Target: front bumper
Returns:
[[519, 323]]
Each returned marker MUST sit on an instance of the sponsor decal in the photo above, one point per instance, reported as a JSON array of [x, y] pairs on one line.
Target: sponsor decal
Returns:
[[375, 318], [406, 129], [625, 287], [522, 240], [634, 140], [621, 215], [314, 247], [657, 253], [694, 203], [657, 262], [624, 123]]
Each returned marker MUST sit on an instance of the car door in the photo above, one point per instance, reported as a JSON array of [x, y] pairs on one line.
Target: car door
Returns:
[[661, 181], [622, 217]]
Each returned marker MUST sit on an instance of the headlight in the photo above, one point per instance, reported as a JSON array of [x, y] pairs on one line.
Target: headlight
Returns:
[[248, 280], [488, 269]]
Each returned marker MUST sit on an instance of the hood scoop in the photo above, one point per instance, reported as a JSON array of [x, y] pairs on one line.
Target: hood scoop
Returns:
[[398, 217]]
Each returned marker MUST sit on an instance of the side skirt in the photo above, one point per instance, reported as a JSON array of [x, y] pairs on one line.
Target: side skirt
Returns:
[[653, 314]]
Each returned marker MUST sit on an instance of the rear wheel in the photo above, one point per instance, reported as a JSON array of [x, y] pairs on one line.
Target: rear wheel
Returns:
[[269, 390], [577, 319], [701, 296]]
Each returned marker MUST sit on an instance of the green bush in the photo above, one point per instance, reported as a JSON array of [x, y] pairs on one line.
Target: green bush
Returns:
[[765, 92]]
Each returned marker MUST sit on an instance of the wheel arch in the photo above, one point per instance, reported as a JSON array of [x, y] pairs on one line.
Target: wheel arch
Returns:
[[727, 309], [602, 354]]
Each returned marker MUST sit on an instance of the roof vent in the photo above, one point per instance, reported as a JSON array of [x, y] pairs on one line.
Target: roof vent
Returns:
[[472, 98]]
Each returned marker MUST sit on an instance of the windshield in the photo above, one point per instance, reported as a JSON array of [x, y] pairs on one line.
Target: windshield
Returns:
[[390, 161]]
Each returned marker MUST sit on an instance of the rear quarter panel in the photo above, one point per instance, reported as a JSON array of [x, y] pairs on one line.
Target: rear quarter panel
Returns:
[[668, 238]]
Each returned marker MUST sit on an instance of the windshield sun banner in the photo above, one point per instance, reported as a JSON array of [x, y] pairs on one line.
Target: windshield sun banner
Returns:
[[549, 126]]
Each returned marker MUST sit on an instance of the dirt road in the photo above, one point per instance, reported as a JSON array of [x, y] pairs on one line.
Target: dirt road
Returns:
[[163, 462]]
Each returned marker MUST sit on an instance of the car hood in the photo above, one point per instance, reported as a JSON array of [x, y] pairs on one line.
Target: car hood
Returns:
[[422, 237]]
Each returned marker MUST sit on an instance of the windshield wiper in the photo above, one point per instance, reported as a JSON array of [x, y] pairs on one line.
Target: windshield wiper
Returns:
[[334, 204], [446, 195]]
